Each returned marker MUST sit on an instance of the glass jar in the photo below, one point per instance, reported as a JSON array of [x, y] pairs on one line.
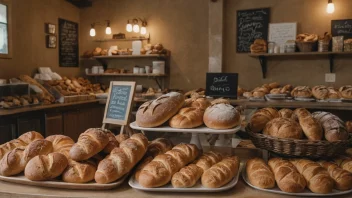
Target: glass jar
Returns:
[[337, 44], [271, 46], [323, 46], [290, 47]]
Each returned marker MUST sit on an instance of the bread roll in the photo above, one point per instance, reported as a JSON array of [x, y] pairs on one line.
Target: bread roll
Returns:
[[318, 179], [247, 94], [259, 174], [334, 127], [285, 113], [143, 163], [261, 117], [207, 160], [344, 162], [199, 103], [283, 128], [302, 92], [187, 177], [61, 144], [258, 94], [221, 173], [275, 91], [187, 118], [274, 85], [9, 146], [311, 128], [79, 172], [333, 93], [221, 116], [342, 178], [160, 170], [30, 137], [219, 101], [121, 160], [89, 143], [155, 113], [113, 143], [300, 113], [320, 92], [45, 167], [346, 92], [121, 137], [287, 177]]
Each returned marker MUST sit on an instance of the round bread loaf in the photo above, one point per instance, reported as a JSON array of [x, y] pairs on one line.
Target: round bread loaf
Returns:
[[220, 100], [320, 92], [274, 85], [258, 94], [275, 91], [247, 94], [346, 92], [200, 103], [187, 118], [283, 128], [261, 117], [300, 113], [285, 113], [301, 92], [155, 113], [286, 89], [221, 116], [333, 93]]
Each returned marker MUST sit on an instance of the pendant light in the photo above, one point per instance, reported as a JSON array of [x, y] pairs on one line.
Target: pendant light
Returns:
[[108, 28], [135, 26], [144, 27], [92, 30], [129, 26], [331, 7]]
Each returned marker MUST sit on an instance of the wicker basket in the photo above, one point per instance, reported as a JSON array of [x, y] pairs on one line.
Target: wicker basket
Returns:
[[297, 148], [307, 46]]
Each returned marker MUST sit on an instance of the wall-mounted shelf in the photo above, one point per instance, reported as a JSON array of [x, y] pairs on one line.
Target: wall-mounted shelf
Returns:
[[131, 56], [125, 39], [263, 57], [128, 74]]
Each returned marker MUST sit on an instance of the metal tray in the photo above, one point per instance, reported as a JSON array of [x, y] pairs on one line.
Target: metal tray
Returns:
[[304, 99]]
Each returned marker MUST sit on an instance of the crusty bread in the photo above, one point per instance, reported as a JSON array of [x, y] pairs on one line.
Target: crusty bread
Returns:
[[349, 126], [79, 172], [200, 103], [9, 146], [275, 91], [274, 85], [61, 144], [187, 176], [346, 92], [219, 101], [285, 113], [311, 128], [320, 92], [333, 93], [221, 173], [283, 128], [113, 143], [344, 162], [300, 113], [155, 113], [287, 176], [187, 118], [207, 160], [261, 117], [301, 92], [259, 173], [221, 116], [286, 89], [121, 137], [334, 127], [342, 178], [30, 137]]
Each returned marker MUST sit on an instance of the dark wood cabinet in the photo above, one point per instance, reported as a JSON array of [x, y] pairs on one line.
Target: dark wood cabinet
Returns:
[[71, 124], [7, 132], [30, 123], [53, 124]]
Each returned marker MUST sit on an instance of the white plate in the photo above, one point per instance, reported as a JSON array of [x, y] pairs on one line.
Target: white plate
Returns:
[[272, 96], [306, 192], [201, 129], [197, 188]]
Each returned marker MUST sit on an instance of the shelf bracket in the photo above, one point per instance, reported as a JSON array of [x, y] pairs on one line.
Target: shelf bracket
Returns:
[[331, 59], [262, 60], [102, 62], [157, 82]]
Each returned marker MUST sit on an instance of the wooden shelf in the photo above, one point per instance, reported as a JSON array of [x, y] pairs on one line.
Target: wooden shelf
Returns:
[[128, 74], [130, 56], [263, 57], [125, 39]]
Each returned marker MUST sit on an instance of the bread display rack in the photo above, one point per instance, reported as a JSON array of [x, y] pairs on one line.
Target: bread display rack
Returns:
[[195, 131]]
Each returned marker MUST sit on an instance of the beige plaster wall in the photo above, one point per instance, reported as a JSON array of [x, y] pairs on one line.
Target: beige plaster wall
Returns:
[[312, 18], [180, 25], [29, 50]]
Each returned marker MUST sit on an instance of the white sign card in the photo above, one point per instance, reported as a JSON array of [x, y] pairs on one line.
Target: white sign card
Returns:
[[280, 33]]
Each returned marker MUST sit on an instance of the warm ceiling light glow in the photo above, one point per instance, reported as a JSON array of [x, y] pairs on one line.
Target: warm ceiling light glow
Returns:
[[331, 7], [136, 28], [143, 30], [92, 30], [108, 30], [129, 26]]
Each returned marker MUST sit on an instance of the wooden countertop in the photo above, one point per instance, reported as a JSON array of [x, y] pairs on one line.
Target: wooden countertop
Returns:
[[6, 112]]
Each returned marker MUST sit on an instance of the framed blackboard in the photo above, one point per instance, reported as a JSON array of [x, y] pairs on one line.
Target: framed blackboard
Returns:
[[342, 28], [222, 85], [118, 105], [251, 24], [68, 43]]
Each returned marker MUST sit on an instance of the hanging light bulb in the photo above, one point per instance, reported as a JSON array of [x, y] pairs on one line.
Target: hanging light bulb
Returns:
[[129, 26], [135, 26], [108, 28], [331, 7], [92, 30], [144, 28]]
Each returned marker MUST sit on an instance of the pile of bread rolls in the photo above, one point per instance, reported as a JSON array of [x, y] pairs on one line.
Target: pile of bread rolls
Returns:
[[75, 86], [186, 114], [295, 175], [183, 167], [271, 88], [299, 124], [58, 155], [19, 101], [259, 46]]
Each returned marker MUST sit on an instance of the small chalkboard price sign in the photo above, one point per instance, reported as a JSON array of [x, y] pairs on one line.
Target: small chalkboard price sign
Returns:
[[118, 105], [68, 43], [222, 85], [342, 28]]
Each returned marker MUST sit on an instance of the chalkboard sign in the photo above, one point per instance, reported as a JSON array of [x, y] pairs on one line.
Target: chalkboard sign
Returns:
[[222, 85], [68, 43], [251, 24], [118, 105], [342, 28]]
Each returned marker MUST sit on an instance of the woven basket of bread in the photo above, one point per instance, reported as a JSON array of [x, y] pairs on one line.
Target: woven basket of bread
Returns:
[[307, 46]]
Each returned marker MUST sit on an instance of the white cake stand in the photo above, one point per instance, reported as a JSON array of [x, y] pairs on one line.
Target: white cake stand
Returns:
[[195, 131]]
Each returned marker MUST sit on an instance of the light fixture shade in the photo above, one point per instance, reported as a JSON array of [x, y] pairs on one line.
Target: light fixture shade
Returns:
[[129, 27], [136, 28], [330, 8], [143, 30], [92, 32], [108, 30]]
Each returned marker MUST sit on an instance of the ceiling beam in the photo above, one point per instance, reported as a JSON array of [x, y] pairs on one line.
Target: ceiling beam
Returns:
[[81, 3]]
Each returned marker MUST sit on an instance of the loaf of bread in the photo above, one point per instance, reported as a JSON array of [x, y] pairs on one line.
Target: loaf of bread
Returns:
[[333, 93], [286, 89], [30, 137], [161, 169], [79, 172], [317, 177], [320, 92], [300, 113], [346, 92], [187, 118], [121, 137], [219, 101], [259, 173], [89, 143], [247, 94], [187, 177], [274, 85], [45, 167], [221, 116], [207, 160], [61, 144], [199, 103], [285, 113], [275, 91], [311, 128], [155, 113], [283, 128], [121, 160], [334, 127], [342, 178], [287, 177], [113, 143], [9, 146], [344, 162], [301, 92], [143, 163], [221, 173], [261, 117]]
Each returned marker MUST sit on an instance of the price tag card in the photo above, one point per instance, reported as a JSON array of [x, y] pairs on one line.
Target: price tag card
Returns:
[[222, 85]]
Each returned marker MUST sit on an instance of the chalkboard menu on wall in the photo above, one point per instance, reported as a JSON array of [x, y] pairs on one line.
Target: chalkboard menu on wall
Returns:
[[118, 105], [251, 24], [68, 43], [342, 28], [222, 85]]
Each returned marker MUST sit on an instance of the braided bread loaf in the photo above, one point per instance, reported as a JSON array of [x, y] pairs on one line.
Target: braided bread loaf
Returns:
[[187, 118]]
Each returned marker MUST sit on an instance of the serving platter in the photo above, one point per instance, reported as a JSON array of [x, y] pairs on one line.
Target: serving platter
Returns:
[[306, 192], [21, 179]]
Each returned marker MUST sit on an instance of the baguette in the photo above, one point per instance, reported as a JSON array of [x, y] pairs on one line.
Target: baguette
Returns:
[[259, 174], [187, 177], [221, 173], [208, 159], [113, 143], [287, 176], [187, 118], [344, 162], [121, 137], [342, 178], [311, 128], [318, 179], [79, 172]]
